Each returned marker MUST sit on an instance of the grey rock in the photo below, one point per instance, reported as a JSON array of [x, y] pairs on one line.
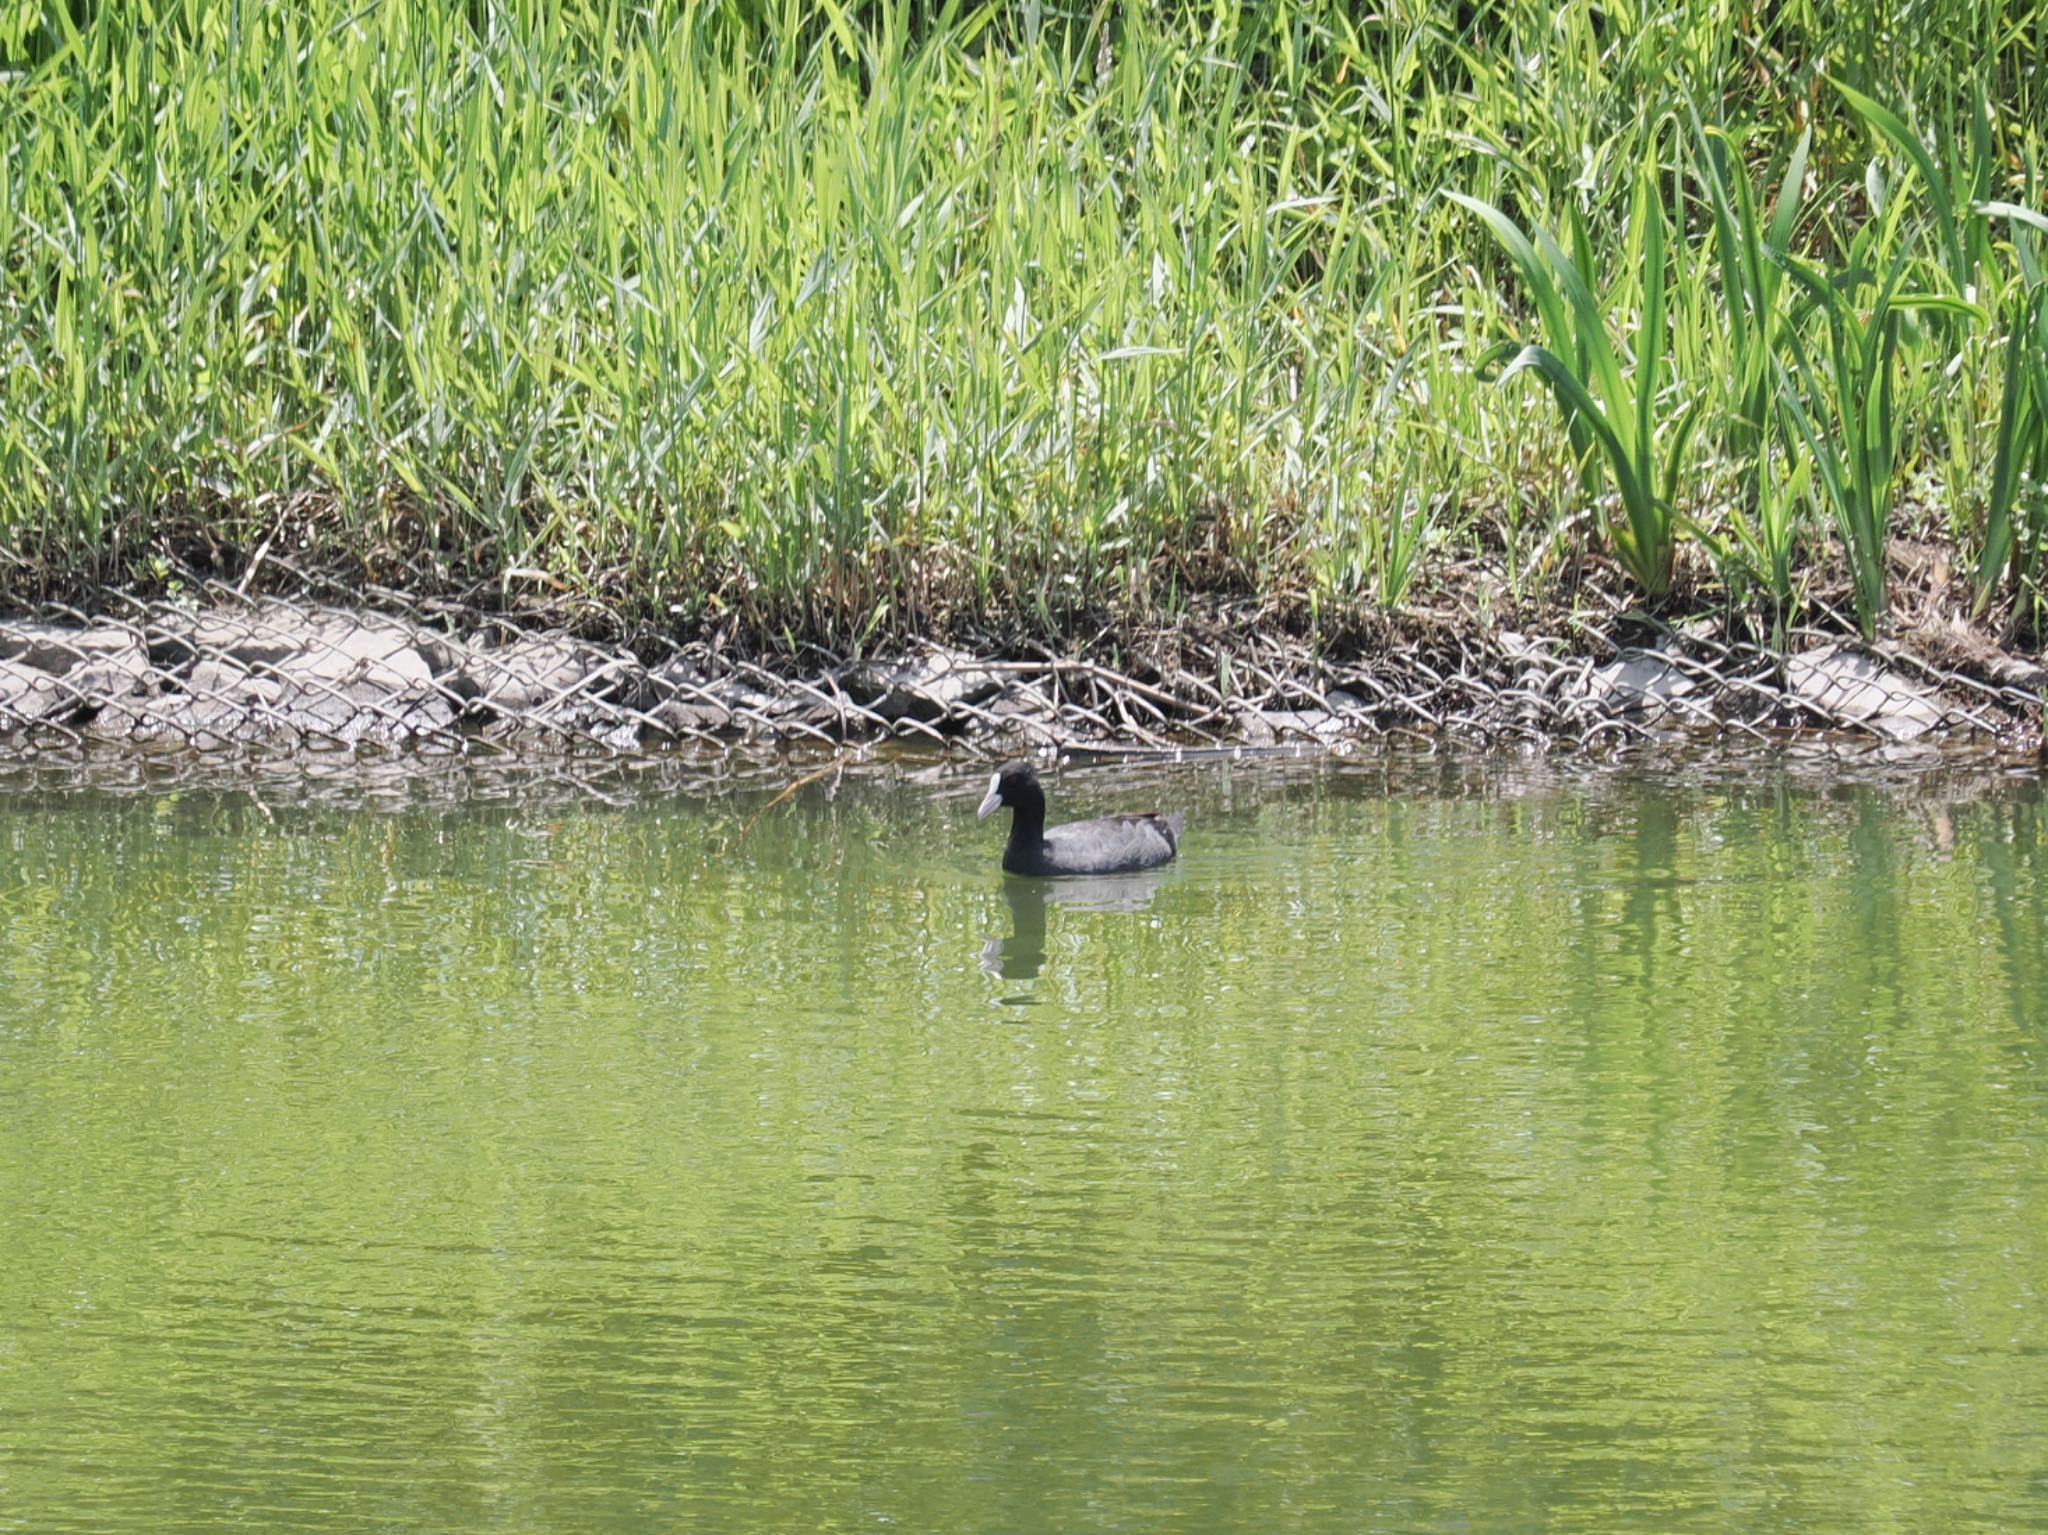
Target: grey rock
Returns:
[[360, 711], [1635, 681], [358, 649], [115, 674], [221, 681], [808, 714], [220, 701], [225, 710], [332, 696], [179, 641], [2019, 672], [444, 654], [746, 707], [28, 695], [1270, 727], [676, 718], [453, 665], [273, 672], [1846, 686], [69, 675], [59, 648], [532, 675], [680, 700], [1020, 706], [679, 675], [926, 686], [1022, 716]]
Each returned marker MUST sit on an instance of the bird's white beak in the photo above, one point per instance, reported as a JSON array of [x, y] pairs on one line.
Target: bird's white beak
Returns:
[[992, 799]]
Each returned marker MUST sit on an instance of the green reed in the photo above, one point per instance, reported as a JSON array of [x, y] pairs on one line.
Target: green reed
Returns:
[[1751, 250], [2016, 514], [1641, 441], [873, 319]]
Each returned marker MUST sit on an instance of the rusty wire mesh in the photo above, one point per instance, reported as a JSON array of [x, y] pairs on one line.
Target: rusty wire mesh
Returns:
[[229, 674]]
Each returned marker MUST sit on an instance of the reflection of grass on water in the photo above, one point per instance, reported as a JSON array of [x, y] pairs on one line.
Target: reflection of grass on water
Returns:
[[878, 322]]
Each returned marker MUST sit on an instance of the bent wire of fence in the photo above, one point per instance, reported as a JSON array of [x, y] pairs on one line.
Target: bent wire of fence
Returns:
[[231, 674]]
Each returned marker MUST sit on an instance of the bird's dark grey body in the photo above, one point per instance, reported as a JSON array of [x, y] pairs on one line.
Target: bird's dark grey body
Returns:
[[1111, 844]]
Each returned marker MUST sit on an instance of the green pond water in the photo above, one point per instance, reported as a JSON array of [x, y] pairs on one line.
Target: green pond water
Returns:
[[1440, 1145]]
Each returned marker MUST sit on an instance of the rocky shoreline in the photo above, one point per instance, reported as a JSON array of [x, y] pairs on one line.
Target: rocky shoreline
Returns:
[[289, 675]]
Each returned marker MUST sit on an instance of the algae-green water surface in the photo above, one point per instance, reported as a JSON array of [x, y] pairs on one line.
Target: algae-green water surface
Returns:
[[1469, 1146]]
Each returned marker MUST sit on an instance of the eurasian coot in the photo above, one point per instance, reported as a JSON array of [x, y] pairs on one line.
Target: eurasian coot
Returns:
[[1114, 844]]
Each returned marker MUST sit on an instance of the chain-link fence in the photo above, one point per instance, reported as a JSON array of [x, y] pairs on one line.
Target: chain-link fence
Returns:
[[301, 676]]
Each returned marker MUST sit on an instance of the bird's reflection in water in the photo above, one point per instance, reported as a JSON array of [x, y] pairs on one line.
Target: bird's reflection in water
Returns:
[[1021, 955]]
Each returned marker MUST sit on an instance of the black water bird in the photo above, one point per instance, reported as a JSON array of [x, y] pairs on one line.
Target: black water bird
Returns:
[[1113, 844]]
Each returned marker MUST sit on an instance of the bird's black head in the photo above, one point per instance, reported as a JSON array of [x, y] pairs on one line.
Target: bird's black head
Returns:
[[1012, 784]]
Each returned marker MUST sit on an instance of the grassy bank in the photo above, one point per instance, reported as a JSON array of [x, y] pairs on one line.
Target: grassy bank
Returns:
[[844, 323]]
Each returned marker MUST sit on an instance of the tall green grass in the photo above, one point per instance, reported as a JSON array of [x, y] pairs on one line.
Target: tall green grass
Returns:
[[1751, 249], [845, 321], [1606, 408], [2016, 514]]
